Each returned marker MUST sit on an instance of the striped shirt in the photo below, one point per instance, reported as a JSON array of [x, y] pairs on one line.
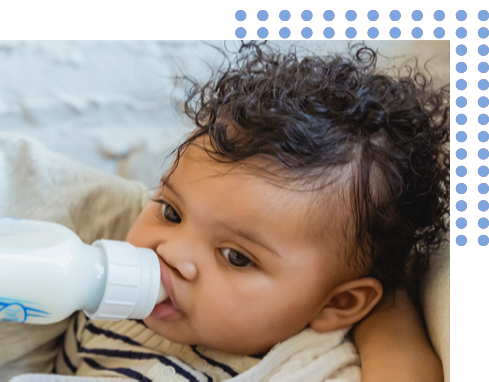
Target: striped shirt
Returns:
[[130, 349]]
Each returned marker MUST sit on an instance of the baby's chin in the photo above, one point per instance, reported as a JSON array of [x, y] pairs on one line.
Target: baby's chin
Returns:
[[177, 331], [172, 330]]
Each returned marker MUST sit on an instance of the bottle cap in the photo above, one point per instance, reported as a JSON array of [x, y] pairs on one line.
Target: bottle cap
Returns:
[[133, 282]]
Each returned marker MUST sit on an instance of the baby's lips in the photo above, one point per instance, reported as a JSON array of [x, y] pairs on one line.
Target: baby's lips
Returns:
[[166, 280]]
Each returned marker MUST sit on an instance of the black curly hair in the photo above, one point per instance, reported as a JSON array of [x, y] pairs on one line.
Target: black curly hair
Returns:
[[315, 114]]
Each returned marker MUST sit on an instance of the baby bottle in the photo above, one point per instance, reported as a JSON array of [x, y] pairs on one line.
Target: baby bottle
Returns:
[[47, 273]]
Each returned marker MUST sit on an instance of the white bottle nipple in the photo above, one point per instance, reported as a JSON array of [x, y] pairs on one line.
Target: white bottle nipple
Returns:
[[162, 295]]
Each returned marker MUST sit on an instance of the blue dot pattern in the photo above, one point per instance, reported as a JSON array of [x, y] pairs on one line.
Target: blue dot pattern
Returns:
[[482, 121], [418, 19], [466, 28]]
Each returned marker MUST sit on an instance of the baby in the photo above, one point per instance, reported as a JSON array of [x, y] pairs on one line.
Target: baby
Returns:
[[309, 188]]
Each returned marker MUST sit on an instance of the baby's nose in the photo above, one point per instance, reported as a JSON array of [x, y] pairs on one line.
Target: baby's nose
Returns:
[[188, 270]]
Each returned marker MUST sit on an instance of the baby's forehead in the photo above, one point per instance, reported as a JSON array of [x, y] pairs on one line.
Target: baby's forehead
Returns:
[[316, 206]]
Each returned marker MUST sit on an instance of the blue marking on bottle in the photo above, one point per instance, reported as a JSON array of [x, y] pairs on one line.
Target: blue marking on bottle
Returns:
[[17, 312]]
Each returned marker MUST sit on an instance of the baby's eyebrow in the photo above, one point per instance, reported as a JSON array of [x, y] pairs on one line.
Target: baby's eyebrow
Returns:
[[174, 192], [249, 235], [252, 236]]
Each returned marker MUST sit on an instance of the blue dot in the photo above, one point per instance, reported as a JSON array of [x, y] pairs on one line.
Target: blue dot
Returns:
[[373, 15], [284, 16], [483, 188], [483, 15], [306, 15], [417, 15], [461, 205], [483, 136], [483, 240], [461, 240], [328, 33], [461, 188], [395, 15], [328, 15], [483, 223], [483, 171], [483, 32], [284, 32], [417, 32], [395, 32], [461, 32], [240, 33], [306, 32], [461, 136], [262, 15], [240, 16], [461, 15], [439, 32], [483, 102], [461, 50], [439, 15], [461, 154], [483, 119], [461, 102], [483, 206], [262, 32], [461, 223], [483, 153], [373, 32], [483, 67], [483, 50], [351, 32], [351, 15], [461, 84], [483, 84], [461, 67], [461, 119], [461, 171]]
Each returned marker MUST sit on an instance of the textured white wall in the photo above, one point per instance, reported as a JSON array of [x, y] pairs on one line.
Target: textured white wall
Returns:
[[112, 104]]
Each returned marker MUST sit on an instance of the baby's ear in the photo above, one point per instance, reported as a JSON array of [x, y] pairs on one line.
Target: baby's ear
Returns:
[[348, 303]]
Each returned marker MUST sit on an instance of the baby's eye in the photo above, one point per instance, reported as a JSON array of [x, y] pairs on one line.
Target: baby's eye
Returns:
[[169, 212], [235, 258]]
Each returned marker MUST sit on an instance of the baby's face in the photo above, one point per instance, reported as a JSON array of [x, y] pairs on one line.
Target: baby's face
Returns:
[[243, 264]]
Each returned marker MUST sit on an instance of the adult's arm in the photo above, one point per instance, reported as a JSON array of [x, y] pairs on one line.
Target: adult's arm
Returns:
[[393, 344]]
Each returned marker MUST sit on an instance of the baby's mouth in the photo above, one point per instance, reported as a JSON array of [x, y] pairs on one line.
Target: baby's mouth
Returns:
[[166, 279], [166, 311]]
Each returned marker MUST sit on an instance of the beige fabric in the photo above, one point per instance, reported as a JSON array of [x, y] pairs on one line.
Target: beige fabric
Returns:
[[435, 300], [38, 184]]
